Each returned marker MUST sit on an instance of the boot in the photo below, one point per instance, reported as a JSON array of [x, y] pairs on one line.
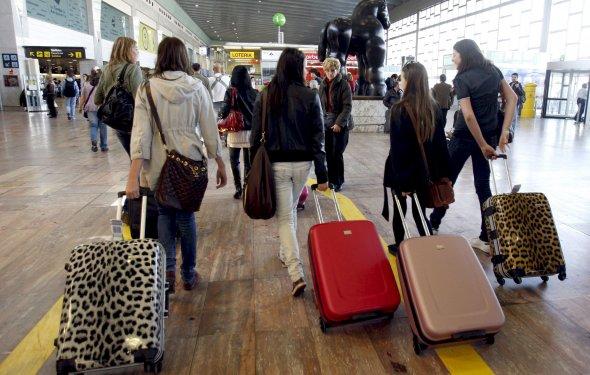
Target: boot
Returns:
[[94, 146]]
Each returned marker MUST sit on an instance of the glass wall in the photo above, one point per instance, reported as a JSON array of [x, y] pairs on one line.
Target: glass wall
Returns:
[[508, 31]]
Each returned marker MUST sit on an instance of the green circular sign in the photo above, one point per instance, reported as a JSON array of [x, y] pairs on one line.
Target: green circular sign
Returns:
[[279, 19]]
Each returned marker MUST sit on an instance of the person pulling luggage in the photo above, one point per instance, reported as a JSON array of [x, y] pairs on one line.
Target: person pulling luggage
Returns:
[[416, 123]]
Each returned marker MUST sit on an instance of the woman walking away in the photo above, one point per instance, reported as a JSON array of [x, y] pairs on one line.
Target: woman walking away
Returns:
[[182, 103], [87, 106], [245, 96], [337, 104], [50, 92], [123, 57], [475, 133], [294, 138], [415, 120]]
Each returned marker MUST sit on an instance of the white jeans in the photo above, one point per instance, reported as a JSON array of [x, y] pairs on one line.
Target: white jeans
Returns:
[[289, 180]]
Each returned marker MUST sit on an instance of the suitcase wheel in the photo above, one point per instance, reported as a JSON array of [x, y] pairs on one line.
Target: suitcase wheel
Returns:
[[154, 368], [418, 346], [545, 278], [518, 279], [500, 280], [323, 325], [561, 276], [490, 339]]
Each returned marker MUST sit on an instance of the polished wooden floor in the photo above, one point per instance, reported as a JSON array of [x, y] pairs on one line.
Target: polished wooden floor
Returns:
[[55, 193]]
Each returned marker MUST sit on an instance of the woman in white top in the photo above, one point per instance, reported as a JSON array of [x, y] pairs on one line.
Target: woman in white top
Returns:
[[183, 104], [87, 105], [241, 84]]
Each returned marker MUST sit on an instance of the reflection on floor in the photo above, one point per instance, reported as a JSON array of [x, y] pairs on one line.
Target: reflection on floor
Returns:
[[55, 193]]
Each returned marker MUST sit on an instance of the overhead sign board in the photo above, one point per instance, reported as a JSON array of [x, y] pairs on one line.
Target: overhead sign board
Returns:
[[242, 55], [272, 55], [77, 53]]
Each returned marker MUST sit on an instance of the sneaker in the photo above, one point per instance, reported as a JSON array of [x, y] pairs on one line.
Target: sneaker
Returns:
[[238, 194], [105, 149], [338, 188], [94, 147], [190, 285], [298, 287], [300, 206], [171, 280], [478, 244]]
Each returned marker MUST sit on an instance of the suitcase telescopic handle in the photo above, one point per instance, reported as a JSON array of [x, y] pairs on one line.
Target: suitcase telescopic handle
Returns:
[[314, 189], [403, 217], [491, 161], [144, 197]]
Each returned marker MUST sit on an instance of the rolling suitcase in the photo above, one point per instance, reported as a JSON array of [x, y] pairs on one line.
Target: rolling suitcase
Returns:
[[447, 295], [522, 233], [132, 215], [352, 277], [114, 304]]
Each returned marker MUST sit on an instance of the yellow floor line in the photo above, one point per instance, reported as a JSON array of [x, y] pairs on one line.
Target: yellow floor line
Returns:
[[458, 359], [36, 347]]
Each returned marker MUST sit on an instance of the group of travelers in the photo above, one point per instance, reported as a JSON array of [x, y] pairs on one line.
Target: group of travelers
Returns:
[[305, 127]]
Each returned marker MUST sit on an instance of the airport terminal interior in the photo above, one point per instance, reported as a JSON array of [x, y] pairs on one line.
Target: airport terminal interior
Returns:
[[65, 227]]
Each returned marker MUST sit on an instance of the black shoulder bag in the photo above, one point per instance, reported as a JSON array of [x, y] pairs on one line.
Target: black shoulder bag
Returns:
[[118, 106]]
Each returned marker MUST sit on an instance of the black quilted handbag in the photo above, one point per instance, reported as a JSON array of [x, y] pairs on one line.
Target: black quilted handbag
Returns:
[[117, 109], [183, 181]]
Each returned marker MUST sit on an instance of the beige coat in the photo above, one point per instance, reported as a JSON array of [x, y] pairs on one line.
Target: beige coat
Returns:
[[185, 110]]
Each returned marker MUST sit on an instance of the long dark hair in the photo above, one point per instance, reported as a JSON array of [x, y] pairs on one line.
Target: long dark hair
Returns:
[[471, 56], [240, 79], [289, 70], [172, 56], [417, 100]]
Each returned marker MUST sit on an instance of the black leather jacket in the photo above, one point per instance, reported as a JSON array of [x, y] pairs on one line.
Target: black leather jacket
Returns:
[[245, 104], [295, 133], [341, 98]]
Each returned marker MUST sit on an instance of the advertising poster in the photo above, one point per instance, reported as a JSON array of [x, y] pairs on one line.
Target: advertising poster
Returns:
[[147, 38]]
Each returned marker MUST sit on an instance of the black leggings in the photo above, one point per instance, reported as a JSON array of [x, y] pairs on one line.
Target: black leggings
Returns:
[[398, 228], [234, 157]]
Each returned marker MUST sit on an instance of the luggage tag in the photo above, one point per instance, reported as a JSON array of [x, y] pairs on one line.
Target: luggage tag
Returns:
[[117, 229], [516, 189]]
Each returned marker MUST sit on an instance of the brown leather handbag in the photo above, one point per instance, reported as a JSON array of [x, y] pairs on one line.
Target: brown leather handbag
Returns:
[[183, 181], [439, 193], [260, 193]]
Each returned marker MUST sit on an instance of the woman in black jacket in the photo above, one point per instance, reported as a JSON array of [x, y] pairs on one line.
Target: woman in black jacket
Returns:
[[336, 99], [416, 118], [294, 137], [241, 84], [475, 133]]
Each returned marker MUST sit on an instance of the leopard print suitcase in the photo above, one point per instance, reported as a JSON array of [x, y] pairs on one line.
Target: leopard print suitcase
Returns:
[[523, 236], [114, 306]]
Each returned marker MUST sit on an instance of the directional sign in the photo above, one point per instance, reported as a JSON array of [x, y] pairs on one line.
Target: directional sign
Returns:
[[78, 53], [10, 60]]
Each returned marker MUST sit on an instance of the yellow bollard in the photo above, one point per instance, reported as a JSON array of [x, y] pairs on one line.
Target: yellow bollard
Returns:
[[528, 108]]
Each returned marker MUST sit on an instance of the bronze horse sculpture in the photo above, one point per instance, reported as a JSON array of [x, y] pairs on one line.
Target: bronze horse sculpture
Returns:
[[363, 36]]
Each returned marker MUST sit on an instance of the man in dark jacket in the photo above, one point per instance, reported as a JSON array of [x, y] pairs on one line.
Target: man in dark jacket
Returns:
[[393, 95], [201, 77], [336, 98], [519, 91], [443, 94]]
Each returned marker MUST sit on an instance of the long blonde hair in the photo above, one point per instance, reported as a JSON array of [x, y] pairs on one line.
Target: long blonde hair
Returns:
[[417, 100], [121, 52]]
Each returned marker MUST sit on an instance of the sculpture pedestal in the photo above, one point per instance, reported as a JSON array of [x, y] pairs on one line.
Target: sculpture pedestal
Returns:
[[368, 113]]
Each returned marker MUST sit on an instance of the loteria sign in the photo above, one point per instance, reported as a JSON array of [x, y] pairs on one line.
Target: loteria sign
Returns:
[[242, 55]]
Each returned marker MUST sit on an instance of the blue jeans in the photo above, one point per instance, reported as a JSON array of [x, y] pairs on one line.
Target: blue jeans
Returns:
[[95, 127], [71, 106], [461, 149], [169, 220], [515, 119]]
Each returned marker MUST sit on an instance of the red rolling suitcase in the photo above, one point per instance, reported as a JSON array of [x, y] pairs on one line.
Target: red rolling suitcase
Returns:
[[352, 278]]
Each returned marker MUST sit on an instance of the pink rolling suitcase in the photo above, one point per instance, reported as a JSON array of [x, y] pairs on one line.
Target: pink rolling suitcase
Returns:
[[447, 295]]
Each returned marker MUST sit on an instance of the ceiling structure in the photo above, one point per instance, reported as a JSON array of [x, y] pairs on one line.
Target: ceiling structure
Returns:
[[250, 21]]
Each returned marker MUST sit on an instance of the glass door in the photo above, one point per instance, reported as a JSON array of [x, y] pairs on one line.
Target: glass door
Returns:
[[561, 90]]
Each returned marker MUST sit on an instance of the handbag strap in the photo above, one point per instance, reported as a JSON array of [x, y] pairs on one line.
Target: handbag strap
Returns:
[[264, 127], [420, 144], [154, 111], [89, 95], [121, 77]]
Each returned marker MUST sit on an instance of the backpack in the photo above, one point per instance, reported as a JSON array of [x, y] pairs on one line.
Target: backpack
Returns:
[[70, 89], [218, 80], [117, 109]]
